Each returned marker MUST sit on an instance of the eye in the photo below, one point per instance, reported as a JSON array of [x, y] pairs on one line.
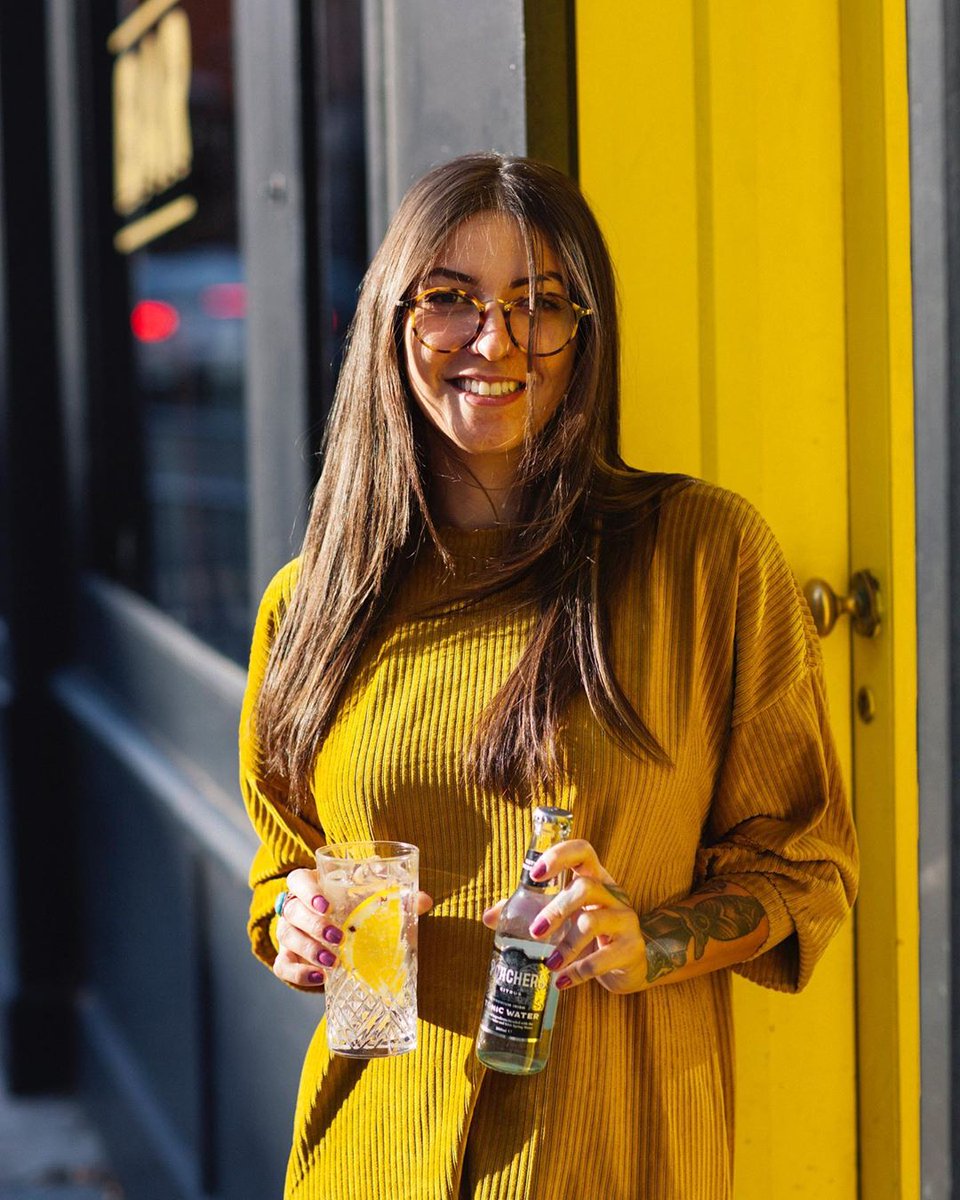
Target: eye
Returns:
[[543, 303], [446, 299]]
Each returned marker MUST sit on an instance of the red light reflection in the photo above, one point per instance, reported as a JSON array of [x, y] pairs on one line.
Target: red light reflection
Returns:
[[154, 321], [225, 301]]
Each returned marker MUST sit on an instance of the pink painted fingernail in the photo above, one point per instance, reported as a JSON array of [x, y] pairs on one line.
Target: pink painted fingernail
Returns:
[[554, 961], [564, 981], [539, 869], [316, 977], [540, 925], [332, 934], [326, 958], [320, 903]]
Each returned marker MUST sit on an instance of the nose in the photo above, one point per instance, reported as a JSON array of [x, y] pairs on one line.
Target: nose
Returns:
[[493, 340]]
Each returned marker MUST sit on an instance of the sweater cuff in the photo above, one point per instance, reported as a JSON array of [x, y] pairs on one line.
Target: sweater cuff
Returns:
[[778, 915], [264, 918]]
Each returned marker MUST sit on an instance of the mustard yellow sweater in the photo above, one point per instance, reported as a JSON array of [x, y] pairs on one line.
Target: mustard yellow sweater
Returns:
[[714, 645]]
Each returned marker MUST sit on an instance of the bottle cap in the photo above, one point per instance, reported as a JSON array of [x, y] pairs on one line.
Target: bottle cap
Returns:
[[554, 824], [552, 814]]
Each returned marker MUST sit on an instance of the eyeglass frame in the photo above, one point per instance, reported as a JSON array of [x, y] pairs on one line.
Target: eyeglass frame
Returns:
[[481, 306]]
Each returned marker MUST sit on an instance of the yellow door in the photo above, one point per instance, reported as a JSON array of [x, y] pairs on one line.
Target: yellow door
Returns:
[[748, 163]]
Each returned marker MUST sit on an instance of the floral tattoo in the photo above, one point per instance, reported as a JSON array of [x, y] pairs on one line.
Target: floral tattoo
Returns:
[[670, 930]]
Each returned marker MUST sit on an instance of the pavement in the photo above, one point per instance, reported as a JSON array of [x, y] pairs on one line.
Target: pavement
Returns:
[[50, 1151]]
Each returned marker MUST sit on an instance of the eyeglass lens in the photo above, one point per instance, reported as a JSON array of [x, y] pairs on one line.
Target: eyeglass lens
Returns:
[[449, 320]]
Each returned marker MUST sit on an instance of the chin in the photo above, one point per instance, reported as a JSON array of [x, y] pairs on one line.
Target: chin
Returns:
[[485, 448]]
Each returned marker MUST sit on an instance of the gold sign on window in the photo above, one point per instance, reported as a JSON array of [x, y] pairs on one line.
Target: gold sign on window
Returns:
[[152, 140]]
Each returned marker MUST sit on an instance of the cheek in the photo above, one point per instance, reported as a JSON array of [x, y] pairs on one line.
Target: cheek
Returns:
[[410, 357], [552, 388], [426, 388], [419, 375]]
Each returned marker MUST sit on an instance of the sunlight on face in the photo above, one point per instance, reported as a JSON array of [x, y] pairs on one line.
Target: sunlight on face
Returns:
[[457, 392]]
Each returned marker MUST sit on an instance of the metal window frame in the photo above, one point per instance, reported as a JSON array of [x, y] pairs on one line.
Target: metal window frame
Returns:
[[37, 1038], [273, 214], [550, 39]]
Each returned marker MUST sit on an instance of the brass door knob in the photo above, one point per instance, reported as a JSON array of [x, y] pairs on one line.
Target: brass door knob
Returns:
[[862, 604]]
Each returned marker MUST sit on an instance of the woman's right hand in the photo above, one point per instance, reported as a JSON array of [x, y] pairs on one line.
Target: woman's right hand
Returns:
[[308, 942], [308, 939]]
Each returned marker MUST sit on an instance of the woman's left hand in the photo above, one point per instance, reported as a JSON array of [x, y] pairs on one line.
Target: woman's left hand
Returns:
[[600, 930]]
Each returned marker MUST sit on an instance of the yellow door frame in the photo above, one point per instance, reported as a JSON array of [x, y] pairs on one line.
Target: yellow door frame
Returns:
[[873, 40]]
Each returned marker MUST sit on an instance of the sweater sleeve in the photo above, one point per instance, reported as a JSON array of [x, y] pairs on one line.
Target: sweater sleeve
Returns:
[[780, 822], [287, 840]]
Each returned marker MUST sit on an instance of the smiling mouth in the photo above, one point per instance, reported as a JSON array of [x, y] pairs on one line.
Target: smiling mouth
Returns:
[[483, 387]]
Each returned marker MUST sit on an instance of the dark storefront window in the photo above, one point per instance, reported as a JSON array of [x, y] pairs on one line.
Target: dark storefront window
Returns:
[[168, 397], [183, 541], [341, 160]]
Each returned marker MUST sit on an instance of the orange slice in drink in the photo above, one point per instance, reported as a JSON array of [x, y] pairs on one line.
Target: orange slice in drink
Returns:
[[373, 949]]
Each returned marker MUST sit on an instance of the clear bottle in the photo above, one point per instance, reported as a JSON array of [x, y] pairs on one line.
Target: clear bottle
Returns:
[[516, 1027]]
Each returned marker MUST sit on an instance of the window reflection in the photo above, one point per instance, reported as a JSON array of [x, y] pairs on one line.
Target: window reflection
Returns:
[[187, 307], [171, 491], [341, 155]]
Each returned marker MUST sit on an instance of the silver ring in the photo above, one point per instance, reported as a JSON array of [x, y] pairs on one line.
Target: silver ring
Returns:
[[280, 902]]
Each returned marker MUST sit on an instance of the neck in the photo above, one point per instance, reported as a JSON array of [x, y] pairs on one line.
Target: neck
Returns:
[[474, 494]]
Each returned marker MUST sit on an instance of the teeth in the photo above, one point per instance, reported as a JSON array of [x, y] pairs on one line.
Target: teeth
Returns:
[[480, 387]]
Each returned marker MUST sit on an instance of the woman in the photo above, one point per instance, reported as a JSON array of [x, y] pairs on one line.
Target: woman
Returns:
[[492, 610]]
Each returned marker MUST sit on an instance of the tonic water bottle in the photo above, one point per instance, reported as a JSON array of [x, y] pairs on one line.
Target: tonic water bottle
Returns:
[[521, 1002]]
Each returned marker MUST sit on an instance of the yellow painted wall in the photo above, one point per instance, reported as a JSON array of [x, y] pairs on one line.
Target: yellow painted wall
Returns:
[[715, 147]]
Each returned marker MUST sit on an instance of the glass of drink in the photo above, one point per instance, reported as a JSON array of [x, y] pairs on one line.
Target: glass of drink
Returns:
[[371, 991]]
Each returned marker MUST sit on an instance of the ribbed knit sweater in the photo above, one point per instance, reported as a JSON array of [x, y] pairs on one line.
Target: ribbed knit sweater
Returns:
[[713, 643]]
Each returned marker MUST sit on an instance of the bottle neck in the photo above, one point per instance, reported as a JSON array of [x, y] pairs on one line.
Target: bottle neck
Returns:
[[534, 851], [550, 826]]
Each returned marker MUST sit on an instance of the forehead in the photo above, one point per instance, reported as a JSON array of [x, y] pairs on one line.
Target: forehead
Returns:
[[491, 244]]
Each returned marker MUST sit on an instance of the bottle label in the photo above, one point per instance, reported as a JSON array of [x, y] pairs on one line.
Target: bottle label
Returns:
[[517, 992], [529, 862]]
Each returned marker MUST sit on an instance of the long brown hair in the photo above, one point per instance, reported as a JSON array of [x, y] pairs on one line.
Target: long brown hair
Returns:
[[371, 513]]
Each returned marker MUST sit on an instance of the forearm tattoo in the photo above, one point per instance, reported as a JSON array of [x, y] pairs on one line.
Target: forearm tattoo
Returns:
[[668, 931]]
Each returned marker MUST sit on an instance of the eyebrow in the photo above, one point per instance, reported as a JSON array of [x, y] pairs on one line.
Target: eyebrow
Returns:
[[460, 277]]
